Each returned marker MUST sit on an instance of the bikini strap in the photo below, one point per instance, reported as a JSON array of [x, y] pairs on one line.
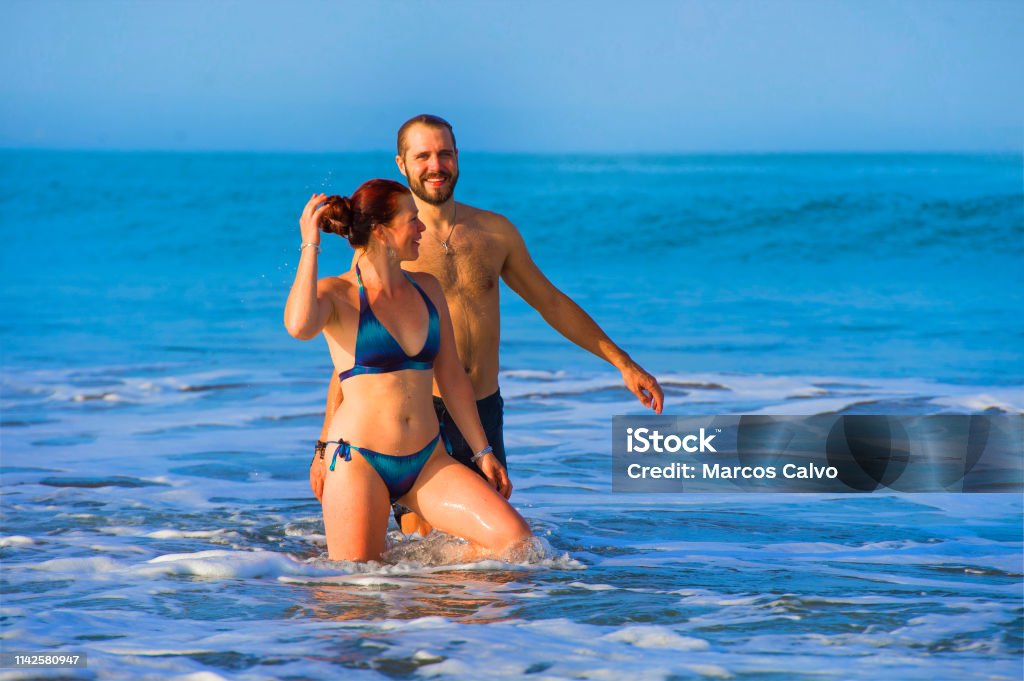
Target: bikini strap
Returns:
[[431, 309]]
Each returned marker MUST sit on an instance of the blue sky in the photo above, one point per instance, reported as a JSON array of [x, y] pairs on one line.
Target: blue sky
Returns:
[[526, 76]]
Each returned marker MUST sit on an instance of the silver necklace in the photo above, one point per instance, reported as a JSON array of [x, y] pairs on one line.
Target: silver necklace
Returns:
[[448, 238]]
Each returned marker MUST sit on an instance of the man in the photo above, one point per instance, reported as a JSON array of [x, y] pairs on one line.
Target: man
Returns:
[[468, 250]]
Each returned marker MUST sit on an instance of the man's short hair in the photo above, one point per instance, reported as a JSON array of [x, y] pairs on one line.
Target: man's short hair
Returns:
[[428, 120]]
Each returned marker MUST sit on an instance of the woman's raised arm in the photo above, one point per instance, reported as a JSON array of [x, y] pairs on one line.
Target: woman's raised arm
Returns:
[[308, 308]]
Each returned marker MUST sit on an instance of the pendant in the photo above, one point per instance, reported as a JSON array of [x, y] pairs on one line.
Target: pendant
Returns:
[[445, 244]]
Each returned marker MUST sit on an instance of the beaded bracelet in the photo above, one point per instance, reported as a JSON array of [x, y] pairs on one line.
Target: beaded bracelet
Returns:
[[483, 452]]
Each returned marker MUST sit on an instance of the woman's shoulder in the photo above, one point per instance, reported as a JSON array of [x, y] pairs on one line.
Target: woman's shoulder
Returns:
[[429, 283], [424, 279]]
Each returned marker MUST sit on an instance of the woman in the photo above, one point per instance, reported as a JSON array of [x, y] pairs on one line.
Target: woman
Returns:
[[386, 329]]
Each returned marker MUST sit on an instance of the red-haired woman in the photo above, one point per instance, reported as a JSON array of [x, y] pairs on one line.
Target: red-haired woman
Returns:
[[390, 337]]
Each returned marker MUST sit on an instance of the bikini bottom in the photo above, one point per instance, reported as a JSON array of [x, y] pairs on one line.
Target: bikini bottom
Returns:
[[399, 473]]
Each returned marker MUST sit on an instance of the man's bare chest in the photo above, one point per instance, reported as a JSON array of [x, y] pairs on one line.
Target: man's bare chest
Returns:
[[471, 266]]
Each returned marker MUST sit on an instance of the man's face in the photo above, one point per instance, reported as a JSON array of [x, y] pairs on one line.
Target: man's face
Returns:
[[430, 163]]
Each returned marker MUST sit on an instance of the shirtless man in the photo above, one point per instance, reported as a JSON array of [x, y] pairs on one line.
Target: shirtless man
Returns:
[[468, 249]]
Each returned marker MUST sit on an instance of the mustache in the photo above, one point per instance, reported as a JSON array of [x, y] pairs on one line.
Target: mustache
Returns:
[[436, 176]]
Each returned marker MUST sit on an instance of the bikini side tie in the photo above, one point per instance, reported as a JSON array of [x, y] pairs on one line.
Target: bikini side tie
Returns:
[[343, 448]]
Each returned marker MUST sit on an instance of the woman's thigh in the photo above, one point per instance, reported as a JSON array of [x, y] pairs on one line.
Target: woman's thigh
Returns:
[[356, 510], [456, 500]]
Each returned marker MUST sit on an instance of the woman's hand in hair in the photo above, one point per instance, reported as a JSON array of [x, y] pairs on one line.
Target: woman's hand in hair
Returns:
[[308, 222]]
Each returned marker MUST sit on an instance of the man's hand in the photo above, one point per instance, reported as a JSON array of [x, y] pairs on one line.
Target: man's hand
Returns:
[[644, 386], [317, 474], [495, 474]]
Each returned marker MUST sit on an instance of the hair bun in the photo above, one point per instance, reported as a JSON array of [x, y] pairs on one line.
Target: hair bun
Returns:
[[336, 218], [374, 203]]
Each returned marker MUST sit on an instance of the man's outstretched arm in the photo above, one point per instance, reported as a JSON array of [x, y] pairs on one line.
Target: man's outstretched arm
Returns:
[[318, 467], [569, 319]]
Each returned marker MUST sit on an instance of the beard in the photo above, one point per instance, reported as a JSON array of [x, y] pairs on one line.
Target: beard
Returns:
[[435, 196]]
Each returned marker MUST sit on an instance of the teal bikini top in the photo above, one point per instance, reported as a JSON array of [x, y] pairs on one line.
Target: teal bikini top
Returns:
[[377, 351]]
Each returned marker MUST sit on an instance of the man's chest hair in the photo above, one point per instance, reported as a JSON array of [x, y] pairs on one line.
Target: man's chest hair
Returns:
[[473, 265]]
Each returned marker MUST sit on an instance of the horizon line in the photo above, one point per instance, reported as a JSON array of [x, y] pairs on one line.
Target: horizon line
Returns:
[[666, 152]]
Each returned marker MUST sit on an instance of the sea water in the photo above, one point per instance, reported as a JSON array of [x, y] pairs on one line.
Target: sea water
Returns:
[[158, 422]]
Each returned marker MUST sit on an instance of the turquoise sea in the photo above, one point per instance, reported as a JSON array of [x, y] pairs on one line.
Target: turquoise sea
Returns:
[[157, 422]]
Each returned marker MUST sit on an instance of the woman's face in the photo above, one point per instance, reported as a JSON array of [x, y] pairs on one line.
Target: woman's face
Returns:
[[405, 230]]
